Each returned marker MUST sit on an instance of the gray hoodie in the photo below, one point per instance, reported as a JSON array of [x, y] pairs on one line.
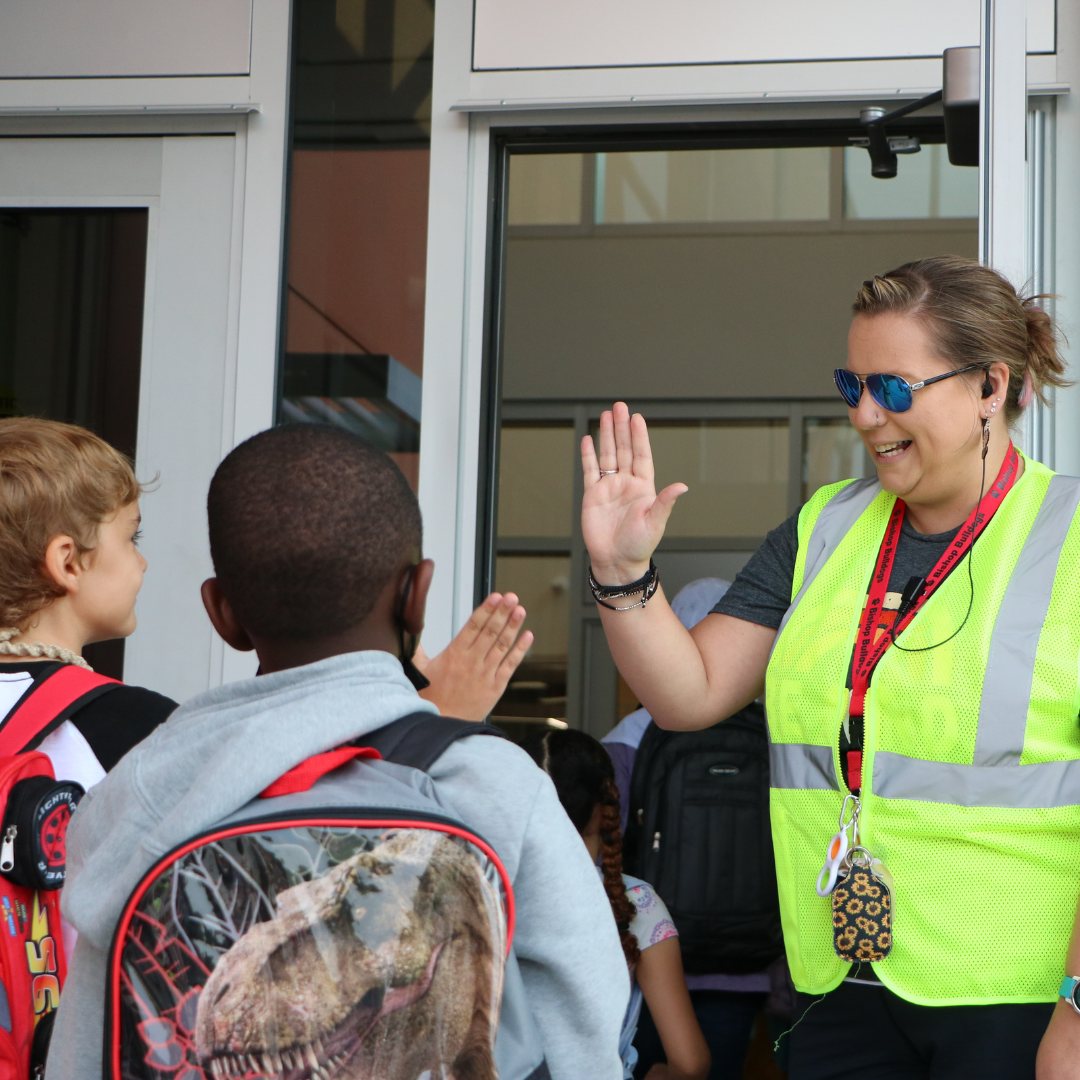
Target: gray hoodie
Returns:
[[219, 750]]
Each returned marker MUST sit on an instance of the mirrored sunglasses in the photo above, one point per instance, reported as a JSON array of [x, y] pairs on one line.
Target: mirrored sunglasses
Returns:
[[891, 392]]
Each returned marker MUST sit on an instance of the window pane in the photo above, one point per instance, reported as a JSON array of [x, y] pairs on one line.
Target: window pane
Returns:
[[545, 189], [536, 481], [775, 184], [543, 584], [361, 109], [925, 186], [736, 470], [834, 451]]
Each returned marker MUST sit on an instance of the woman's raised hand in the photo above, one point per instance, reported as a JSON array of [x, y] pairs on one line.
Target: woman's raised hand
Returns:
[[622, 517]]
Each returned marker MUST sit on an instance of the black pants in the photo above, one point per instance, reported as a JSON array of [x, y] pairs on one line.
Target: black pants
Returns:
[[727, 1022], [858, 1032]]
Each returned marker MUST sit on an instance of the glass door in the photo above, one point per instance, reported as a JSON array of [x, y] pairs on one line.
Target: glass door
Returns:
[[709, 286]]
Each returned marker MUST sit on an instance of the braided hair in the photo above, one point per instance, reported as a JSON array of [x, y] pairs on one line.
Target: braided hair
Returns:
[[584, 778]]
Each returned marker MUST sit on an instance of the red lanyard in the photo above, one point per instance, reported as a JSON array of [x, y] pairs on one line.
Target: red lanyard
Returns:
[[868, 651]]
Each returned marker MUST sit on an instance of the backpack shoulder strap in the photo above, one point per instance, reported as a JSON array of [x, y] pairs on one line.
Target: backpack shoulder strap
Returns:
[[420, 739], [51, 699]]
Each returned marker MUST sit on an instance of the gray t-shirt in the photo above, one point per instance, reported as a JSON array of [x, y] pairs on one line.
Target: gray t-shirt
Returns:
[[761, 592]]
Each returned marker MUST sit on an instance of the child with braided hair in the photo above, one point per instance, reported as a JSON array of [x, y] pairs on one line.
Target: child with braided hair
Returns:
[[584, 779]]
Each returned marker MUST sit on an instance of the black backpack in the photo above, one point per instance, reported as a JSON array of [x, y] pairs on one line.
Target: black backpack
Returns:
[[699, 833]]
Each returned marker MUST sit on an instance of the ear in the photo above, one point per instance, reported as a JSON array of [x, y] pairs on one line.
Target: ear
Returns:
[[997, 375], [221, 615], [416, 603], [62, 563]]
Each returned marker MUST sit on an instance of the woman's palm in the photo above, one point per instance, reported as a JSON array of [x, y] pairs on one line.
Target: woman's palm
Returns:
[[622, 517]]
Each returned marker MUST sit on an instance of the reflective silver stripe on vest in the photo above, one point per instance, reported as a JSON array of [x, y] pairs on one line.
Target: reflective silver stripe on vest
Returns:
[[1023, 787], [802, 766], [836, 520], [1010, 665]]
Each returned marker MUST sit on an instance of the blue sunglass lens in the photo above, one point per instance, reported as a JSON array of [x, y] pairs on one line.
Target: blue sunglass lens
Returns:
[[890, 392], [849, 386]]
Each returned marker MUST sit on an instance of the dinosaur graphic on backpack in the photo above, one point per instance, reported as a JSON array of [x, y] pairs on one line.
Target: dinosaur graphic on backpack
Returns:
[[307, 937]]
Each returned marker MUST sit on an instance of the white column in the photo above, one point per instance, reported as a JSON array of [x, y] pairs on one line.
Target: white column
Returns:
[[1067, 235], [1002, 196]]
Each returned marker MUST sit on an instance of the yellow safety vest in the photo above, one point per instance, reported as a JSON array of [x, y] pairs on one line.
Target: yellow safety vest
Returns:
[[971, 757]]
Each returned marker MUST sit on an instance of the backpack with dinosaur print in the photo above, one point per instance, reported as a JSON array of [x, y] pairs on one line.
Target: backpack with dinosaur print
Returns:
[[342, 926]]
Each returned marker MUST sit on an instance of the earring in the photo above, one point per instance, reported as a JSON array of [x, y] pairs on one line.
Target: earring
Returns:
[[993, 408]]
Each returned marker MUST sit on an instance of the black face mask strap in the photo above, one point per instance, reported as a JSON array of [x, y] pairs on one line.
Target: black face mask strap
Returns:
[[407, 652]]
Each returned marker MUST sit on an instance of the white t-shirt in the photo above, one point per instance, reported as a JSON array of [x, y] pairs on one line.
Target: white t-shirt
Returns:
[[66, 747]]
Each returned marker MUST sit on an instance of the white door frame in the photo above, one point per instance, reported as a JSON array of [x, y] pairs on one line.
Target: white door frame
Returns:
[[468, 104]]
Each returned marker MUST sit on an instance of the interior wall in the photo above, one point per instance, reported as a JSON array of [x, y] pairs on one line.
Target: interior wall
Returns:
[[668, 316]]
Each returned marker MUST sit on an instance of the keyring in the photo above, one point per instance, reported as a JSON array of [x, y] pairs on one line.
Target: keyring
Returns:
[[834, 858]]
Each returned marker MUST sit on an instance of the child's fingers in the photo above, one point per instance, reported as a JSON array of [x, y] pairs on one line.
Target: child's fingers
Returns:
[[514, 657], [495, 624], [505, 638], [480, 618]]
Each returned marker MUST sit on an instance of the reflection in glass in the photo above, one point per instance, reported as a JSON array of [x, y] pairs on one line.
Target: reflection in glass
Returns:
[[773, 184], [545, 189], [834, 451], [361, 109], [543, 584], [925, 186], [736, 470], [536, 480]]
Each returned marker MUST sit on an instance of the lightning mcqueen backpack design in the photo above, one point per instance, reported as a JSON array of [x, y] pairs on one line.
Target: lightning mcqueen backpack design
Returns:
[[342, 926], [33, 835]]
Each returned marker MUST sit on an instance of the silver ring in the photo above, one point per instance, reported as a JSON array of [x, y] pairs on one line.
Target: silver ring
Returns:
[[608, 472]]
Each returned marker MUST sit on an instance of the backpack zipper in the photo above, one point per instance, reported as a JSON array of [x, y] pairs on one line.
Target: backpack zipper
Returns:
[[7, 849]]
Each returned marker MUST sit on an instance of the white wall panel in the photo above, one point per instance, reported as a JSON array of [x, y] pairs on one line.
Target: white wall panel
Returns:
[[523, 34], [73, 38], [185, 346]]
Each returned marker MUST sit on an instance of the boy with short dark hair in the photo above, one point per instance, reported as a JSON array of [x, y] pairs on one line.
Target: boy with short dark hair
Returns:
[[316, 546]]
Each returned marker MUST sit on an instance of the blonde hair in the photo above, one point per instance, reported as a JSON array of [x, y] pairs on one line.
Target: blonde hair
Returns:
[[55, 480], [974, 316]]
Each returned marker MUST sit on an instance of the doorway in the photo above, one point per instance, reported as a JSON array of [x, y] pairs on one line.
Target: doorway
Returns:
[[72, 284], [705, 278]]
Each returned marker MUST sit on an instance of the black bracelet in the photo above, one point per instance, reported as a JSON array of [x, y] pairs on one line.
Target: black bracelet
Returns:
[[647, 585]]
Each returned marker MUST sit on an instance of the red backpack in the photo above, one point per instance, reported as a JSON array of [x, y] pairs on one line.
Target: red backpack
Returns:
[[36, 811]]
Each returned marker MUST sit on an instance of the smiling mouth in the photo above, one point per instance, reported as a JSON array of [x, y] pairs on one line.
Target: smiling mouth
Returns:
[[890, 451]]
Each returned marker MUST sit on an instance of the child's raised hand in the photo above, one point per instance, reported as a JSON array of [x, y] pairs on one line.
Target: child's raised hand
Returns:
[[471, 673]]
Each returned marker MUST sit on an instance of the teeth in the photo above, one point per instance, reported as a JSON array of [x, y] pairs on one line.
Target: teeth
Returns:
[[312, 1060], [276, 1061]]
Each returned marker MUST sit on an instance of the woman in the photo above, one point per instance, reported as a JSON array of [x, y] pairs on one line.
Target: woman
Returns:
[[584, 778], [916, 636]]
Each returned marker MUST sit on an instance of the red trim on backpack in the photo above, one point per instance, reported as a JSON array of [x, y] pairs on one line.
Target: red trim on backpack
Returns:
[[304, 775], [46, 702], [262, 826]]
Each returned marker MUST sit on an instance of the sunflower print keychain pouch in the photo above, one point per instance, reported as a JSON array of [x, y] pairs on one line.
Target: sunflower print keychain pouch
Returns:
[[862, 911]]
